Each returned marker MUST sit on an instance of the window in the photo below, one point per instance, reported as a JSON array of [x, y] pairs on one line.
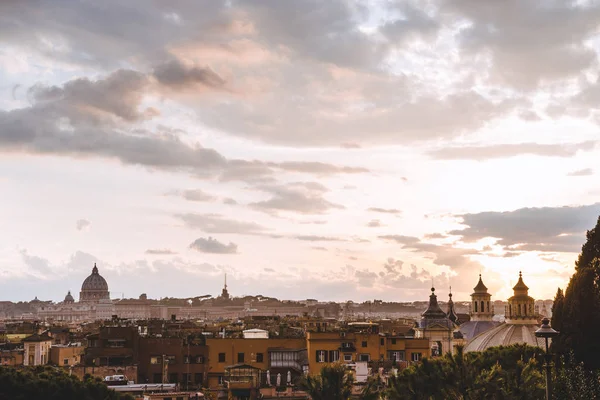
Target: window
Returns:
[[155, 360], [66, 361], [475, 306], [240, 358], [364, 344], [382, 341], [221, 357], [396, 356], [415, 356], [334, 355], [347, 357], [394, 341], [221, 379], [321, 356], [170, 359], [260, 357], [173, 377], [156, 378], [186, 359], [364, 357], [115, 343], [347, 345], [185, 378], [198, 359], [198, 377], [482, 306]]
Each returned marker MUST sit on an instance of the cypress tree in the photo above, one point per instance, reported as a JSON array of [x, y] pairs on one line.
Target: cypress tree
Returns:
[[577, 316]]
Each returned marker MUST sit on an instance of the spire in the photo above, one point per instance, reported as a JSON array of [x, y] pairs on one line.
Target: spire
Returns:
[[95, 269], [225, 280], [451, 313], [520, 287], [433, 310], [480, 288]]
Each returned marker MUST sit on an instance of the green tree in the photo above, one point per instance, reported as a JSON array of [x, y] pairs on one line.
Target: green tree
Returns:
[[51, 383], [558, 310], [578, 316], [332, 383]]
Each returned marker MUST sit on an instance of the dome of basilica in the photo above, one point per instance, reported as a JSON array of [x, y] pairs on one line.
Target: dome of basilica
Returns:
[[94, 287], [69, 298]]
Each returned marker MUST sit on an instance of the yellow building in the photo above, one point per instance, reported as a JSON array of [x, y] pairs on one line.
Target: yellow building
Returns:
[[275, 355], [361, 342], [66, 356]]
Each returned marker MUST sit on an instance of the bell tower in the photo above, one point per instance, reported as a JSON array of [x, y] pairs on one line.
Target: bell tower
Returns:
[[481, 307]]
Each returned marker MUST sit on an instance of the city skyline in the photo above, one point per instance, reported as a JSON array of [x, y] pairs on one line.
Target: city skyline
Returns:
[[354, 153]]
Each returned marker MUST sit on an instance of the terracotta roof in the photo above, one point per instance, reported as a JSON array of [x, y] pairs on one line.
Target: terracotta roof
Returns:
[[38, 338]]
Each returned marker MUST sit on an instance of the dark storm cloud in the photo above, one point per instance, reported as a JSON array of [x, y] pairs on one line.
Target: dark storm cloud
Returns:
[[211, 245], [480, 153], [558, 229], [216, 223]]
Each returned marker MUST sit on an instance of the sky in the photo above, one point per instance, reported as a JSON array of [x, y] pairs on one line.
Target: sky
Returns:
[[337, 150]]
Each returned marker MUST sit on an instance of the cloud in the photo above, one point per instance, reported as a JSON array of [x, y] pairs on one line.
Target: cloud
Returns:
[[582, 172], [316, 238], [557, 229], [299, 197], [160, 252], [230, 201], [195, 195], [216, 223], [210, 245], [374, 223], [435, 235], [400, 239], [480, 153], [385, 210], [317, 168], [82, 224], [552, 51], [177, 75]]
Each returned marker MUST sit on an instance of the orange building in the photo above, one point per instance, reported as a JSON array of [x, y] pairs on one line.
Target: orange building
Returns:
[[275, 355], [362, 342], [64, 356]]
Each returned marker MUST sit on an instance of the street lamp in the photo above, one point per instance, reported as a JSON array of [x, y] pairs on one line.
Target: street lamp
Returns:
[[546, 332]]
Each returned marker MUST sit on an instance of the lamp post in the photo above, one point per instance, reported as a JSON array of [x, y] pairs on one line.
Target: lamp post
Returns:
[[546, 332]]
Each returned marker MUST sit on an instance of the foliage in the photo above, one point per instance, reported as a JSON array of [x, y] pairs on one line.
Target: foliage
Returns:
[[574, 382], [52, 384], [577, 315], [498, 373], [332, 383]]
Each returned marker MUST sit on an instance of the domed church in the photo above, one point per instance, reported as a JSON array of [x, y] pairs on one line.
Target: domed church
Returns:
[[520, 326], [94, 288]]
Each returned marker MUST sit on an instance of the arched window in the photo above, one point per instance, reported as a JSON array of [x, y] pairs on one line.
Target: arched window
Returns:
[[482, 306], [509, 310], [475, 306], [488, 304], [519, 310]]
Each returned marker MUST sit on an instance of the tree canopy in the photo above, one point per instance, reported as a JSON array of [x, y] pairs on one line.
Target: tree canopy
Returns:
[[52, 383], [576, 313]]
